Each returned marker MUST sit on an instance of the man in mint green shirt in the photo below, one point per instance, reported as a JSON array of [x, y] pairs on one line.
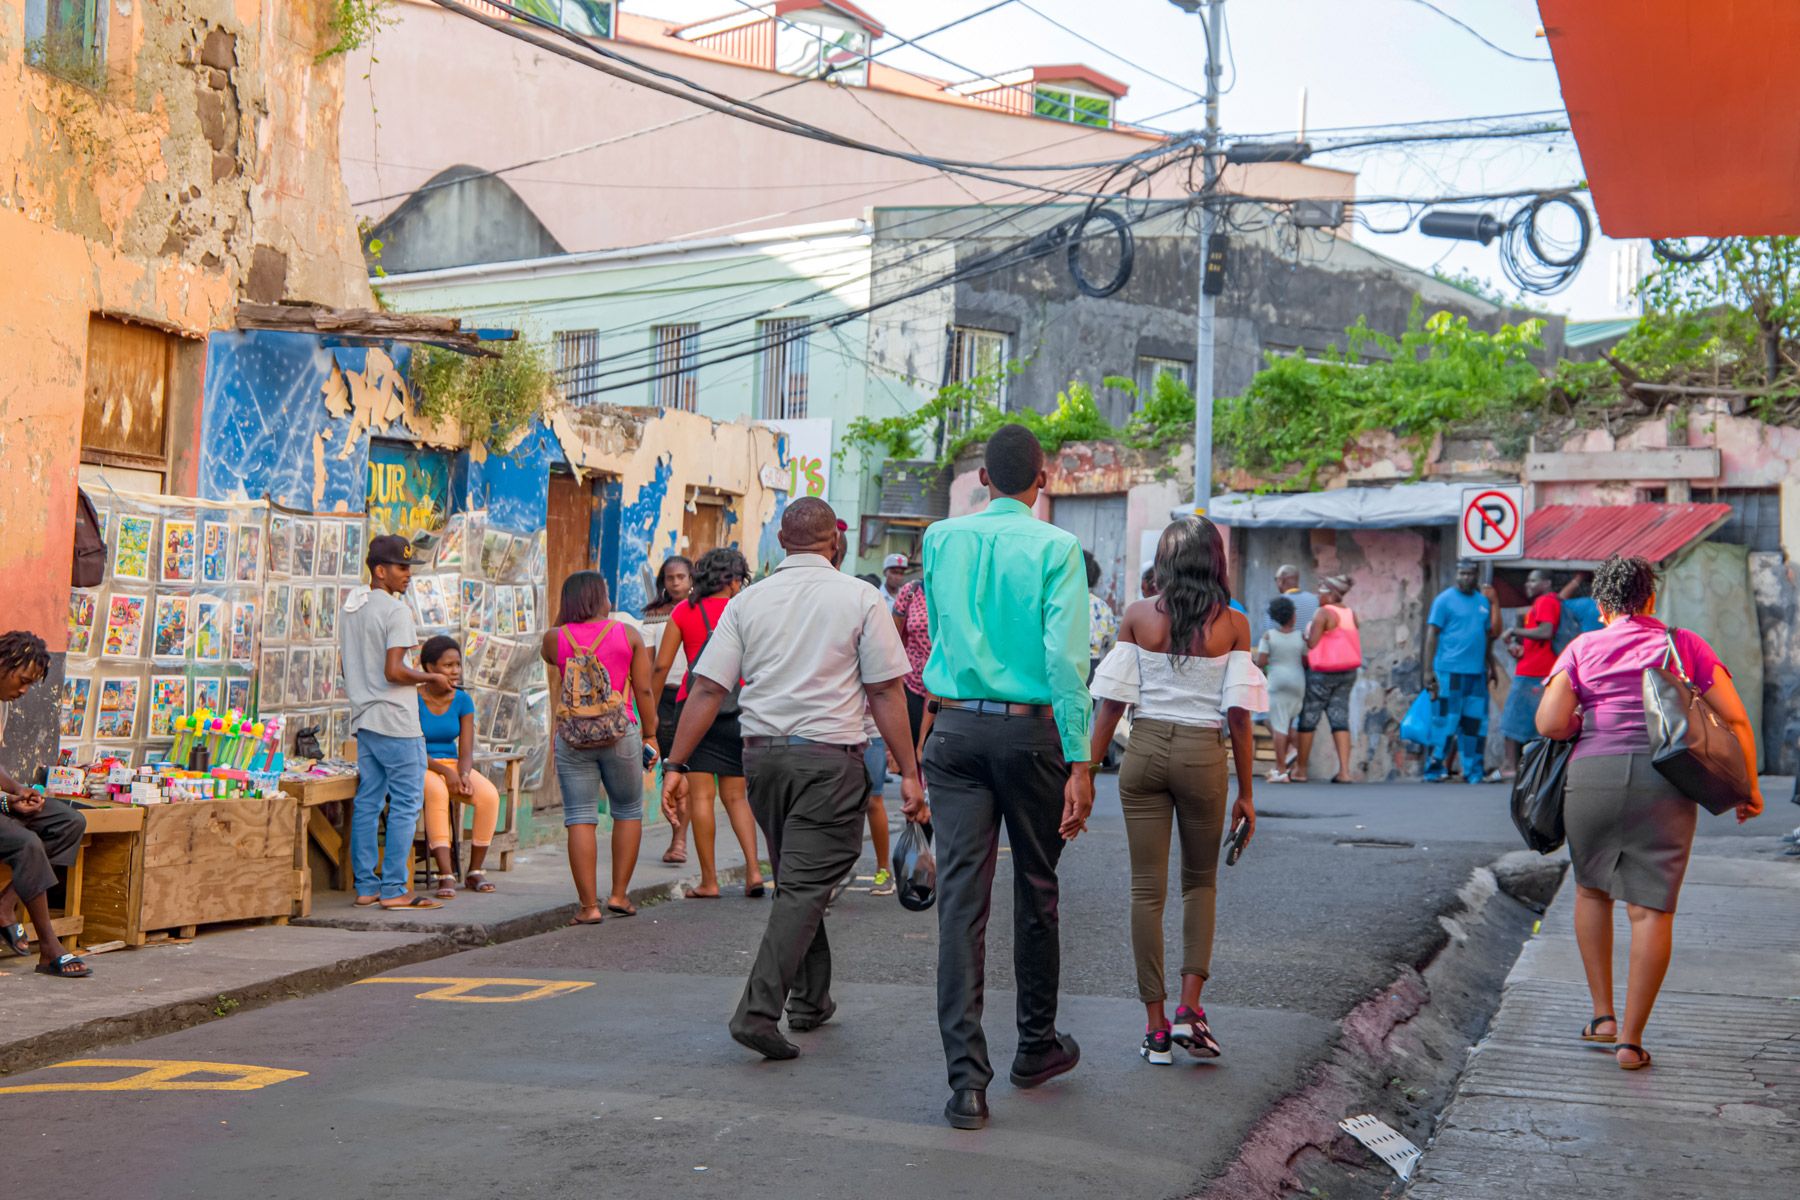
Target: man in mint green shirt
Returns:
[[1007, 603]]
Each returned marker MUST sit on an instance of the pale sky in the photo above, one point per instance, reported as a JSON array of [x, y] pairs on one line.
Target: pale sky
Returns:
[[1361, 62]]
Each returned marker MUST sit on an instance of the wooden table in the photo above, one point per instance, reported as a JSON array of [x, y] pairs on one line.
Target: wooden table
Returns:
[[174, 867], [113, 825], [331, 839]]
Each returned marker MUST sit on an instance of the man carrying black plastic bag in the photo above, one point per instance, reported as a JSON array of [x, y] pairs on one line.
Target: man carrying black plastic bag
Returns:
[[813, 646], [1007, 602]]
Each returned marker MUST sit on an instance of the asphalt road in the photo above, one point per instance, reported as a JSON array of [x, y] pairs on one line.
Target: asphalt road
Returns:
[[625, 1085]]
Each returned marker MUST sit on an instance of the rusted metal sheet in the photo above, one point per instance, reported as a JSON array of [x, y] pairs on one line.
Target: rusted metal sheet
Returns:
[[1579, 534]]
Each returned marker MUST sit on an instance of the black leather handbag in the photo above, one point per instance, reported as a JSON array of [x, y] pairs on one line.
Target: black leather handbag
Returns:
[[1690, 744], [1537, 792]]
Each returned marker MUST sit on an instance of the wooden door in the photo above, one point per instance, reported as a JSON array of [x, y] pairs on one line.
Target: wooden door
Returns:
[[568, 535]]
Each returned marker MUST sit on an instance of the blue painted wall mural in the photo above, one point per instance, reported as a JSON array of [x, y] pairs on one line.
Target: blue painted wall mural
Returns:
[[514, 487], [637, 532], [280, 409]]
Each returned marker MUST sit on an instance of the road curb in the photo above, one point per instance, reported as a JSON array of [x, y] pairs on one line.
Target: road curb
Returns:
[[41, 1049], [1400, 1051]]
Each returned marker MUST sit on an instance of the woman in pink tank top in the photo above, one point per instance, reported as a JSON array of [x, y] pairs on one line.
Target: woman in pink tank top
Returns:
[[584, 625], [1333, 658]]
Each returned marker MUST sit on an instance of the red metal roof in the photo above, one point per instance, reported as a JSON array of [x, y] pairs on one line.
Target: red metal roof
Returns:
[[1683, 112], [1579, 533]]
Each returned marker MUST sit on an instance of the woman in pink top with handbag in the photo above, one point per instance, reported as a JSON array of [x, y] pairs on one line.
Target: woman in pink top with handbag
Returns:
[[1629, 828], [1333, 658]]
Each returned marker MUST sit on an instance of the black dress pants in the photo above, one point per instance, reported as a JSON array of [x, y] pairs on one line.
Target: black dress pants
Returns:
[[810, 801], [984, 770]]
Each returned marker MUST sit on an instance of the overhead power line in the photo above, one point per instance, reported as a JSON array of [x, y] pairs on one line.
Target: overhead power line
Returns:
[[602, 59], [1112, 54], [1478, 36]]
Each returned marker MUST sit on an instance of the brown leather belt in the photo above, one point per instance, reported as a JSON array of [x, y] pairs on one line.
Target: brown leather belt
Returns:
[[1001, 708]]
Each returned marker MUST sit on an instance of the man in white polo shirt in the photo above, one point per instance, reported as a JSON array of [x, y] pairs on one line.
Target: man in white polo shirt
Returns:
[[812, 646]]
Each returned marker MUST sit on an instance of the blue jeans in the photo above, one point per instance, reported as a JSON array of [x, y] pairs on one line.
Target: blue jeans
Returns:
[[388, 768], [617, 770], [875, 763]]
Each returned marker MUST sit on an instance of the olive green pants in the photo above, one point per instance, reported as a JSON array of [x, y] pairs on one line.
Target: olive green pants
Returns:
[[1173, 771]]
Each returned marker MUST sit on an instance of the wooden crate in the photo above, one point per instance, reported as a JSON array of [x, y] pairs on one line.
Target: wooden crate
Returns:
[[194, 863]]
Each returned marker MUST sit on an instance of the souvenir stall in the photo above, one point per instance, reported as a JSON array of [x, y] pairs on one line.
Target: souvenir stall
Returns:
[[204, 689]]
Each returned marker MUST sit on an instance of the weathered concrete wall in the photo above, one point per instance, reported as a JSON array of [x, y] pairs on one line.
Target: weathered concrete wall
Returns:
[[203, 168], [466, 217], [1280, 295], [657, 456]]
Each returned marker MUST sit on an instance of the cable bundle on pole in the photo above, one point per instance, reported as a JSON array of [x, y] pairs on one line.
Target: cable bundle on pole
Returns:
[[1533, 257]]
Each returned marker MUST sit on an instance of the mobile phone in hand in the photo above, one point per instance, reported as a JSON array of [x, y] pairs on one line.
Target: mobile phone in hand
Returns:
[[1234, 844], [649, 757]]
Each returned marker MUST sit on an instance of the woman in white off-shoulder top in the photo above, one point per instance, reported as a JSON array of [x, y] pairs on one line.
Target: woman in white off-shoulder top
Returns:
[[1183, 660]]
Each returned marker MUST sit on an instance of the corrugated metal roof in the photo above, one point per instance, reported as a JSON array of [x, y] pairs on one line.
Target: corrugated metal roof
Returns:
[[1577, 533], [1586, 333]]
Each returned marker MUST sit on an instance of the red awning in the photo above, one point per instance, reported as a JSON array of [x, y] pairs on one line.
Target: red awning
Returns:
[[1571, 535], [1683, 112]]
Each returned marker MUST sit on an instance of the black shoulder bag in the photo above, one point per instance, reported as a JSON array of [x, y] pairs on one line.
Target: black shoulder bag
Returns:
[[1690, 744]]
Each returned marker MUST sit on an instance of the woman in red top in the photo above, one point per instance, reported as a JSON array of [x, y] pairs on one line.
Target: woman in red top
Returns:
[[718, 576]]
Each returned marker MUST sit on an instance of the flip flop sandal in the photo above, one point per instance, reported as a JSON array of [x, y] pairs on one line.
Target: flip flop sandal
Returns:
[[446, 887], [1635, 1065], [578, 919], [69, 966], [621, 910], [14, 937], [688, 893], [476, 881], [755, 891], [674, 859], [417, 902], [368, 902], [1591, 1031]]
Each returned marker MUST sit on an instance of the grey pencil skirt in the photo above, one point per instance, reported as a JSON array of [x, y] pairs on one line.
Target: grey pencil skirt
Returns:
[[1630, 830]]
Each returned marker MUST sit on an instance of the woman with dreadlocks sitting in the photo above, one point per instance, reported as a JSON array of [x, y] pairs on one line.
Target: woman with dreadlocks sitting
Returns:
[[37, 833]]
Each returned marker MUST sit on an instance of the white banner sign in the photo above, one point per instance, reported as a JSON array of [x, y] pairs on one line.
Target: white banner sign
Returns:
[[806, 457]]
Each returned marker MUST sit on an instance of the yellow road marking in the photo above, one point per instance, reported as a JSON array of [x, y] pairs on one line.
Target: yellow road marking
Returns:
[[457, 991], [161, 1075]]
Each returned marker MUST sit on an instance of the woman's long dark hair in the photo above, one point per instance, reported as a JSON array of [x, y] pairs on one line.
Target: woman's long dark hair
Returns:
[[663, 600], [1195, 581], [715, 571], [584, 599]]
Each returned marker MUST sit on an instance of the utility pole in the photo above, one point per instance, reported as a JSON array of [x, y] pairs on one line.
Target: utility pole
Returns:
[[1203, 341]]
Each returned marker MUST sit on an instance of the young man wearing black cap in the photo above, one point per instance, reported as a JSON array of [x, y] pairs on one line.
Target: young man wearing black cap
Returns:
[[377, 629]]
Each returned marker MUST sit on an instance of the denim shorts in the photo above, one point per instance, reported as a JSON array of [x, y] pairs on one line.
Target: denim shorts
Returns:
[[875, 763], [618, 770]]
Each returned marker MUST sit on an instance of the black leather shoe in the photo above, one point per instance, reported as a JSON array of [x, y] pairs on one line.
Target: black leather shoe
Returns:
[[769, 1045], [1029, 1070], [967, 1109], [804, 1024]]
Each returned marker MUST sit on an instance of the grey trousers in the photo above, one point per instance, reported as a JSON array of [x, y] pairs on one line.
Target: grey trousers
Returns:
[[33, 846], [810, 802], [985, 771]]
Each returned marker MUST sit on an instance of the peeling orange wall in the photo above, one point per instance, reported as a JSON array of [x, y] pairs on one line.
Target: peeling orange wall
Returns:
[[204, 169]]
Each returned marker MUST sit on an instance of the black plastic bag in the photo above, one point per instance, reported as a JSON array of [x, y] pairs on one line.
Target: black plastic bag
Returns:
[[1537, 792], [915, 868]]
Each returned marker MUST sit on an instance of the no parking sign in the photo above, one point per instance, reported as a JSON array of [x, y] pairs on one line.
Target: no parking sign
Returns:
[[1493, 523]]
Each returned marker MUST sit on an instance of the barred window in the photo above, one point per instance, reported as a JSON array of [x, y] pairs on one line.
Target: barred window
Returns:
[[578, 365], [677, 383], [1149, 367], [977, 359], [783, 363]]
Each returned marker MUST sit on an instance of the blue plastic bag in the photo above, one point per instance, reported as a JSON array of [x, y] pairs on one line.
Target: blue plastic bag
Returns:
[[1428, 723]]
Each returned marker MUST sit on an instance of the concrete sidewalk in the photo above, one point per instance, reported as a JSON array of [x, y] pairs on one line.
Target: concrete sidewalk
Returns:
[[1538, 1112], [163, 987]]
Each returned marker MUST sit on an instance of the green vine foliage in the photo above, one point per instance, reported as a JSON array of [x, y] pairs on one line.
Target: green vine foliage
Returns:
[[1735, 313], [969, 412], [1299, 415], [493, 397], [355, 22]]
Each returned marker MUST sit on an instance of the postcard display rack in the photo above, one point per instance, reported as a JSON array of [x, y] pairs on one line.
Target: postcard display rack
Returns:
[[206, 605], [485, 587]]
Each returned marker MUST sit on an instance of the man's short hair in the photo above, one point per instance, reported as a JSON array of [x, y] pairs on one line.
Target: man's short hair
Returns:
[[809, 521], [1287, 569], [1093, 568], [1013, 460]]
